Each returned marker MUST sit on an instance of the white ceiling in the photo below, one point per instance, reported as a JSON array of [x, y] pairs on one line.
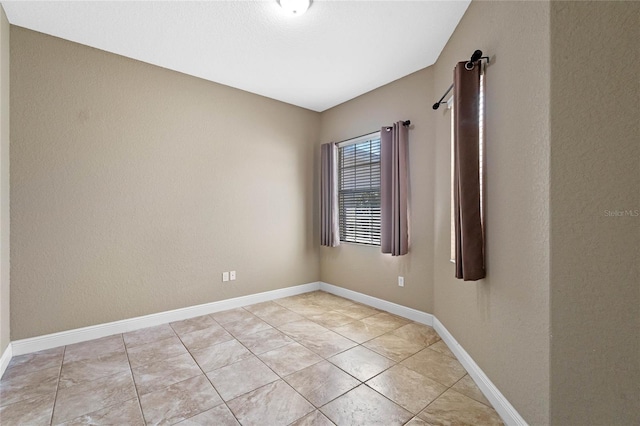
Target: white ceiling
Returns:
[[335, 52]]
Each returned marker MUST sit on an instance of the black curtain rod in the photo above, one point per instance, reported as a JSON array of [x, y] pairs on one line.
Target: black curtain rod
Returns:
[[437, 104], [405, 123], [477, 56]]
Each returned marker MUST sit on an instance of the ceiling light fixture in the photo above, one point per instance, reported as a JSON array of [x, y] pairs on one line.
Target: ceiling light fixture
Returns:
[[295, 7]]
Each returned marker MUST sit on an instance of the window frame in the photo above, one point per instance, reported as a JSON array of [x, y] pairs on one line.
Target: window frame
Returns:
[[369, 137]]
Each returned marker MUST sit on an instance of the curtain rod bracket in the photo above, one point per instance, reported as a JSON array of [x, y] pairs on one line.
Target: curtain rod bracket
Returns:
[[477, 56], [405, 123]]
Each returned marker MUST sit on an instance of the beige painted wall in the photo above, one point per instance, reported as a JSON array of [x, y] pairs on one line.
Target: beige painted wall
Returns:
[[134, 187], [595, 255], [129, 198], [4, 182], [502, 321], [364, 268]]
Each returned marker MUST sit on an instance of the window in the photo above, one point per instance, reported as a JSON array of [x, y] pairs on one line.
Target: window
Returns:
[[480, 159], [359, 189]]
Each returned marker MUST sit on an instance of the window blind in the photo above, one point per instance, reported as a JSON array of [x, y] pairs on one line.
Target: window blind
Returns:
[[359, 191]]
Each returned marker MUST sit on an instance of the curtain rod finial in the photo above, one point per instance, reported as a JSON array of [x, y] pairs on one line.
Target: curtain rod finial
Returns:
[[436, 105]]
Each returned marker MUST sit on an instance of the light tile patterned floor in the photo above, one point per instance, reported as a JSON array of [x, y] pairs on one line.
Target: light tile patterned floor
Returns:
[[312, 359]]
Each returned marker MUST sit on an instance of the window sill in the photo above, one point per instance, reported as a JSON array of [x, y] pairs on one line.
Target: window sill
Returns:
[[359, 244]]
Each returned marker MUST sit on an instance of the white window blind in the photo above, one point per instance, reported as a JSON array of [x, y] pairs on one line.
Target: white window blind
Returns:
[[359, 190]]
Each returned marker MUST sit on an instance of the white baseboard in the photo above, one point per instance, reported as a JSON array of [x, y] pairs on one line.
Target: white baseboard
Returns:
[[78, 335], [508, 413], [503, 407], [394, 308], [6, 358]]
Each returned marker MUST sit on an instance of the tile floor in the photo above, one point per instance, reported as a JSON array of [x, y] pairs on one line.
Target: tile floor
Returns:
[[312, 359]]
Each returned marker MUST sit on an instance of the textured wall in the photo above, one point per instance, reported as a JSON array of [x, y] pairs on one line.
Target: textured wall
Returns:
[[4, 182], [595, 245], [134, 187], [503, 320], [364, 268]]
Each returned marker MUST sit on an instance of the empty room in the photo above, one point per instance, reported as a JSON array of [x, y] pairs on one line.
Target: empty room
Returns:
[[320, 212]]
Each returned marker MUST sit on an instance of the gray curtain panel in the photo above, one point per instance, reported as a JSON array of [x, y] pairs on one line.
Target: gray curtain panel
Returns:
[[329, 232], [394, 189], [468, 220]]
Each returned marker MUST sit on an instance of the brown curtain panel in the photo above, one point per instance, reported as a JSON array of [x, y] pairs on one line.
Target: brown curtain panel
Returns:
[[394, 190], [329, 232], [468, 219]]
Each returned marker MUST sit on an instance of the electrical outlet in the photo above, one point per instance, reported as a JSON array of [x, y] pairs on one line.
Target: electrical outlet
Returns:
[[401, 281], [225, 276], [232, 275]]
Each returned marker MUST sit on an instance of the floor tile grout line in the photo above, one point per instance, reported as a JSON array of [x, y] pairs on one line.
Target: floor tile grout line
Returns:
[[288, 384], [276, 326], [441, 393], [434, 400], [365, 382], [207, 377], [419, 411], [335, 354], [310, 317], [394, 364], [302, 344], [132, 345], [9, 366], [33, 397], [315, 406], [381, 372], [87, 381], [279, 377], [102, 377], [225, 402], [327, 360], [451, 388], [133, 378], [55, 396], [114, 404]]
